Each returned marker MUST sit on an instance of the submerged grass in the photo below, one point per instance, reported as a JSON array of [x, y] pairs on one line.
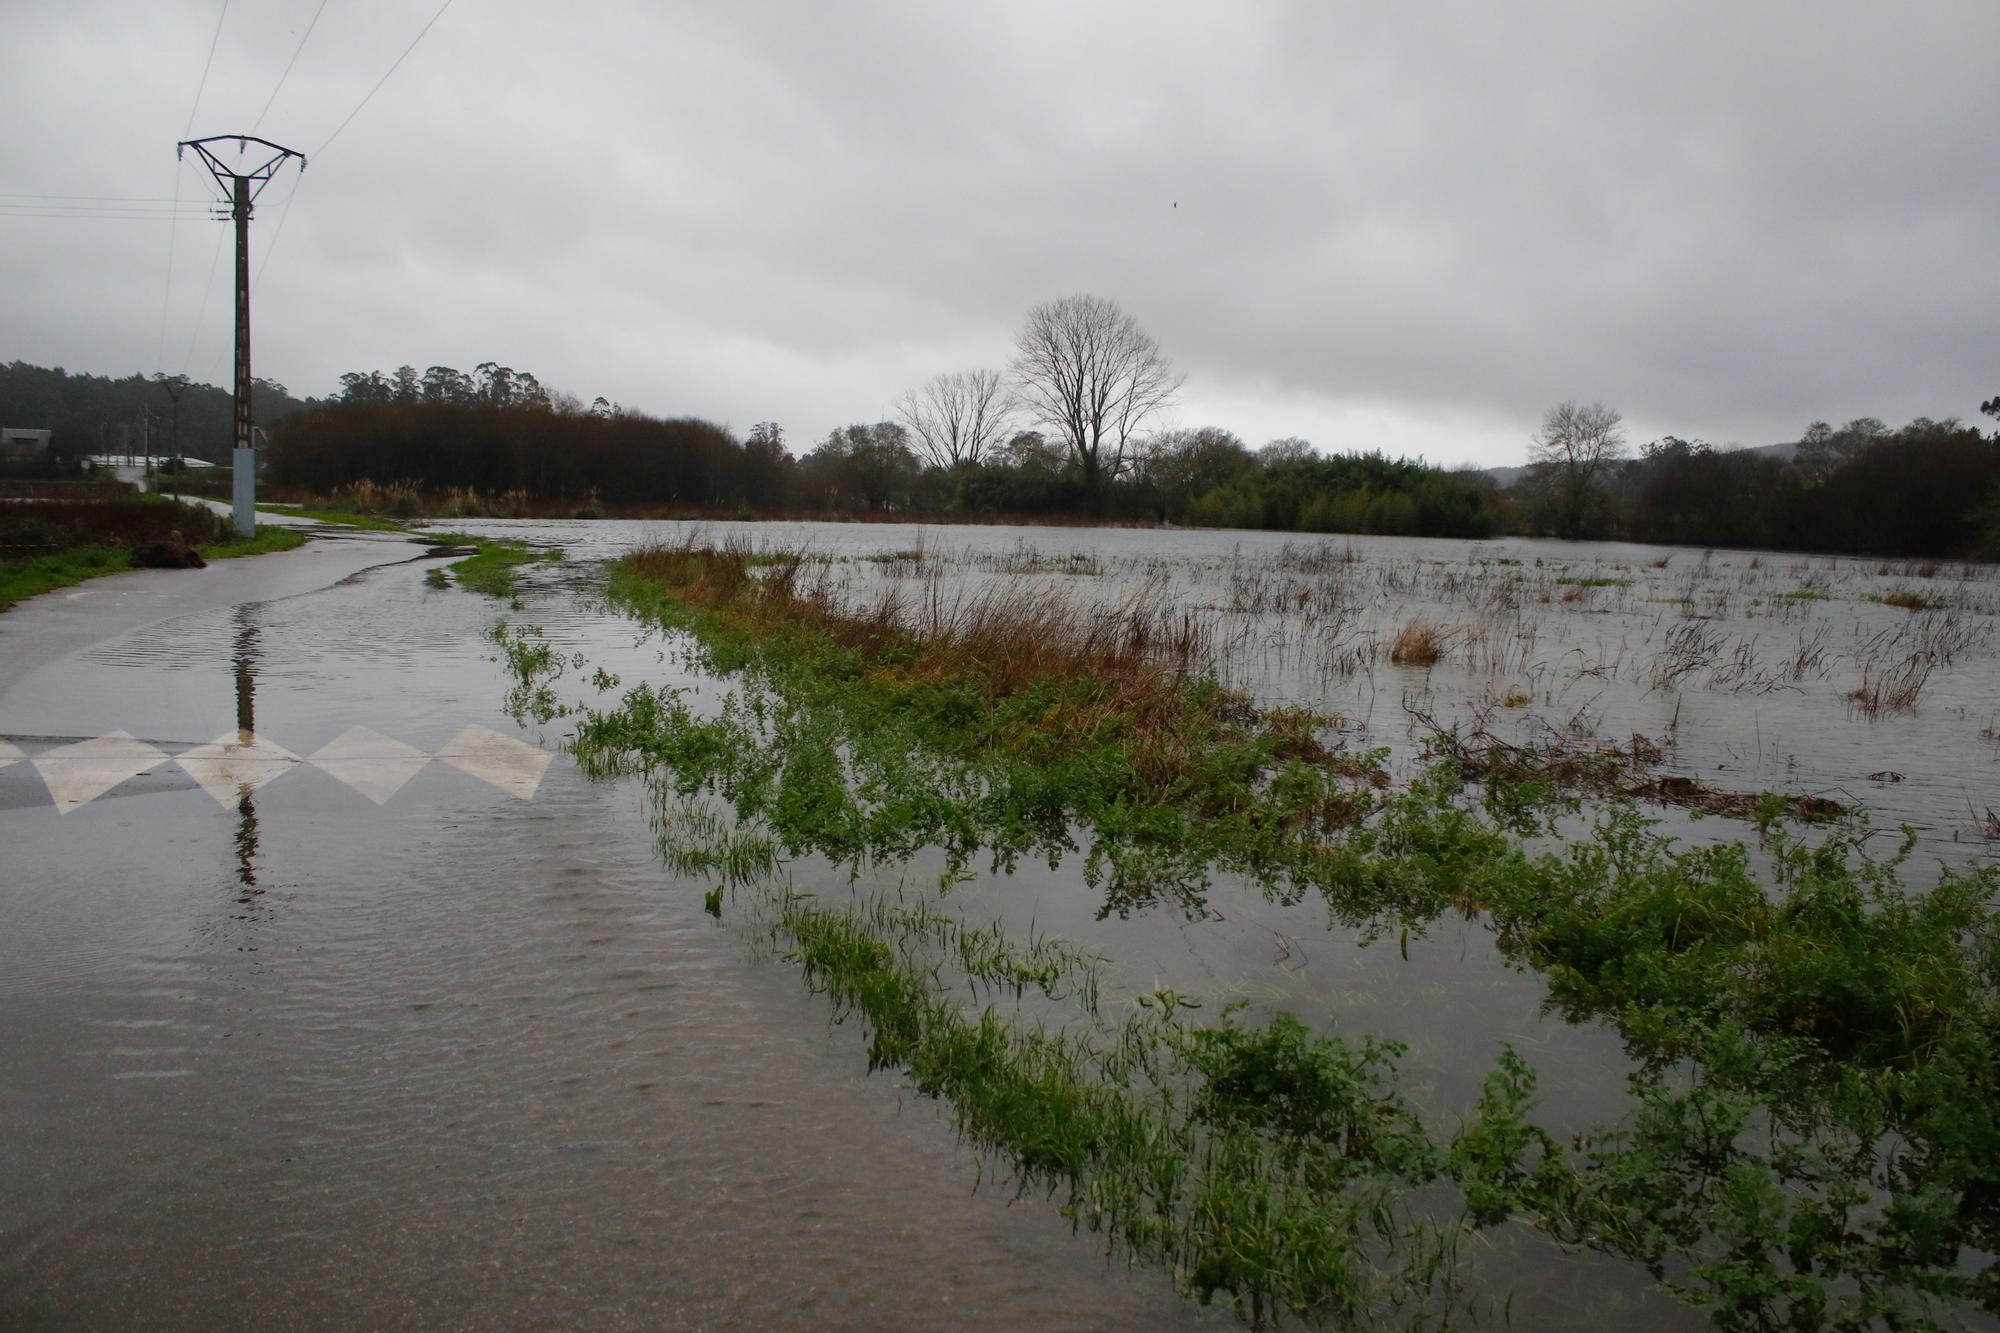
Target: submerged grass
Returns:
[[493, 571], [1814, 1139], [1261, 1162]]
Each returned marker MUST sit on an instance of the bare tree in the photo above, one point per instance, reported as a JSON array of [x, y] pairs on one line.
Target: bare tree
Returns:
[[956, 419], [1574, 445], [1087, 370], [1286, 450]]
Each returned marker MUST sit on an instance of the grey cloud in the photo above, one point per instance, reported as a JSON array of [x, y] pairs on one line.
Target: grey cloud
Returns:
[[1727, 220]]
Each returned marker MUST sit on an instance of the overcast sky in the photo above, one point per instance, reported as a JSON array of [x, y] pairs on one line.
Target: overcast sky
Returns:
[[1401, 226]]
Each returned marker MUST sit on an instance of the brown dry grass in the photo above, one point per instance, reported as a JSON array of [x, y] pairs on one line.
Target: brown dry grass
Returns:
[[32, 527], [1418, 643], [1892, 689], [1008, 638]]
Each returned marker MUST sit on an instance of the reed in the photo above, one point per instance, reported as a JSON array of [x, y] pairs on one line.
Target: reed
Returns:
[[1418, 643], [1893, 688]]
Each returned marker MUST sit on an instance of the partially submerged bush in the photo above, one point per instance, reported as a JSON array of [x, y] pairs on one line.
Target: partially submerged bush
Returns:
[[1418, 643]]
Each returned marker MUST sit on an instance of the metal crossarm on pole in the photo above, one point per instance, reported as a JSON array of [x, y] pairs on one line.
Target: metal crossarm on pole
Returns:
[[241, 189]]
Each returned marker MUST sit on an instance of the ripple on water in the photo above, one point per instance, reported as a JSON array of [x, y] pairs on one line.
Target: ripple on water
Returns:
[[488, 1068]]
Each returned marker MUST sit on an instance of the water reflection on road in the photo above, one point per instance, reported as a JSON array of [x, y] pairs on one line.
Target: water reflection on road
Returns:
[[341, 1049], [246, 726]]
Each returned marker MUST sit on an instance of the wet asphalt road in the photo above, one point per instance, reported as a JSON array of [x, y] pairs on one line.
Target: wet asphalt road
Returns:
[[332, 998]]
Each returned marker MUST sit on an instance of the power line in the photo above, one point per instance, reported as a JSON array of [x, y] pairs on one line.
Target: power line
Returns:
[[288, 66], [285, 209], [201, 314], [100, 198], [129, 212], [161, 209], [107, 217], [167, 288], [174, 232], [384, 79], [186, 207], [206, 65]]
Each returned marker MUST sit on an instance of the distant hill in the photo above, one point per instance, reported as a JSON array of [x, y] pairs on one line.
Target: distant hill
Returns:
[[1781, 452], [100, 414]]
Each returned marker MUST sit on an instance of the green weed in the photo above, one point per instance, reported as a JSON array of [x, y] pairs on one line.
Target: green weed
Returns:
[[492, 571], [1813, 1139]]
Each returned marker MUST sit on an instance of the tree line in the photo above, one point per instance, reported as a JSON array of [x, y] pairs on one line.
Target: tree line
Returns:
[[1071, 428], [1930, 488], [99, 414]]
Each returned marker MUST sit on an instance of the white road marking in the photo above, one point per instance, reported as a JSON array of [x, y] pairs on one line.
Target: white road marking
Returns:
[[80, 773], [233, 766], [513, 766], [371, 763]]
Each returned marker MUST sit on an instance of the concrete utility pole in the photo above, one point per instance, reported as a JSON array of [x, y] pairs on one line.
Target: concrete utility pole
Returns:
[[242, 189]]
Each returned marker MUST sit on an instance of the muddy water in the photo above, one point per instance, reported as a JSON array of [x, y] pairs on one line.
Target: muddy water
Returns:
[[1741, 665], [460, 1058], [459, 1051], [1588, 639]]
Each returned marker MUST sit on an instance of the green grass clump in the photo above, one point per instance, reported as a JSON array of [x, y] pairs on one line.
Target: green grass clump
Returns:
[[1263, 1163], [22, 577], [266, 540], [1910, 600], [1812, 1140], [492, 572], [345, 517], [1103, 720]]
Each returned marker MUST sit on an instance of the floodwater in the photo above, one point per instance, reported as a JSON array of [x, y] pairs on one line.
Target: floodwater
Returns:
[[1742, 665], [416, 1031], [452, 1054]]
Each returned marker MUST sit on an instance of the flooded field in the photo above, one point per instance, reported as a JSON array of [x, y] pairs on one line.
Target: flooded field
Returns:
[[486, 1043], [1822, 718], [1872, 683]]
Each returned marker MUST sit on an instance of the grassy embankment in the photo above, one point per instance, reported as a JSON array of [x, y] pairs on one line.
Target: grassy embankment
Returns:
[[62, 541], [350, 518], [56, 543], [1813, 1138]]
